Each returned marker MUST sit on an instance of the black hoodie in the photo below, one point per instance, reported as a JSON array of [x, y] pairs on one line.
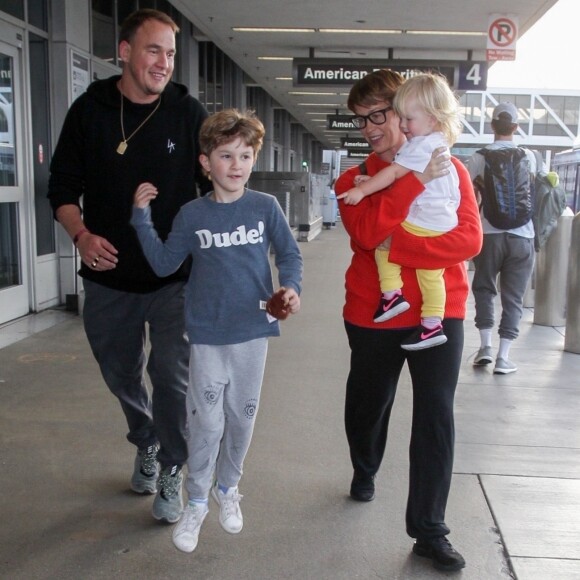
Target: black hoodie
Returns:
[[164, 151]]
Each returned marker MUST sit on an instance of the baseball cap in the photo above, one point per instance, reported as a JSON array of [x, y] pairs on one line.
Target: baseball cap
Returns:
[[509, 109]]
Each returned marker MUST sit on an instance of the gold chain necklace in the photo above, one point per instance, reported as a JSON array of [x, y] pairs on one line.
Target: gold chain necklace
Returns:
[[123, 144]]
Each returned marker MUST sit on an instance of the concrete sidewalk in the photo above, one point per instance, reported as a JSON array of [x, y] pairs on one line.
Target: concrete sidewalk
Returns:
[[514, 510]]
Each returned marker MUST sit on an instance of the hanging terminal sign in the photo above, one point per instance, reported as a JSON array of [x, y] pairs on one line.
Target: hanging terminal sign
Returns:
[[355, 143], [461, 75]]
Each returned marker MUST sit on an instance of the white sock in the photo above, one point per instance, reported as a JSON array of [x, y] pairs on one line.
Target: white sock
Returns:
[[197, 501], [504, 348], [485, 337], [431, 322], [390, 294]]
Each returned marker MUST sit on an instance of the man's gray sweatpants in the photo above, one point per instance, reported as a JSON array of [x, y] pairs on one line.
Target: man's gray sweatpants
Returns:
[[222, 403], [512, 257]]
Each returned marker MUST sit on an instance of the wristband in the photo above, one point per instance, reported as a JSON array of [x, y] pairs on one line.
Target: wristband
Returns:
[[79, 234]]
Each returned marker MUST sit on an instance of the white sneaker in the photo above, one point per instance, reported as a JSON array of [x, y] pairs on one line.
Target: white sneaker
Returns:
[[186, 532], [231, 519]]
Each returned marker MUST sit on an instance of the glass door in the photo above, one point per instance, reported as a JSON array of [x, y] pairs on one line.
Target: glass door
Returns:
[[14, 291]]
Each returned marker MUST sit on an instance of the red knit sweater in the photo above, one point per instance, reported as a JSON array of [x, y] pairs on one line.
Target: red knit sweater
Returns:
[[379, 216]]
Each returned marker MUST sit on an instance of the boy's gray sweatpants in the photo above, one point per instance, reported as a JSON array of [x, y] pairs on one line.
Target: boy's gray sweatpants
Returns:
[[222, 402]]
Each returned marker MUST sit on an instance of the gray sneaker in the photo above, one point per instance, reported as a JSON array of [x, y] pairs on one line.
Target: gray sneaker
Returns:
[[168, 503], [483, 356], [145, 470], [504, 367]]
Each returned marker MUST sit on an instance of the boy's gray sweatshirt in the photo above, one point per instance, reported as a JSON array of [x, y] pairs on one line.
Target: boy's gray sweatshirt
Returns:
[[231, 276]]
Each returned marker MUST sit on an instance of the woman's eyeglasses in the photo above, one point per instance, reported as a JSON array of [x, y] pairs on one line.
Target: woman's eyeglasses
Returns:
[[376, 118]]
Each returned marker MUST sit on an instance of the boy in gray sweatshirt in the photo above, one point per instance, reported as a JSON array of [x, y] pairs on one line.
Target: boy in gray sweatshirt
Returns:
[[228, 234]]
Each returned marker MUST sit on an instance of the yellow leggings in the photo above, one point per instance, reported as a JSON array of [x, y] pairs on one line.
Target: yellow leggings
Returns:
[[431, 282]]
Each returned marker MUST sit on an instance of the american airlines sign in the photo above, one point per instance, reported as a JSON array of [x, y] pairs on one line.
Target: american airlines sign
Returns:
[[462, 75]]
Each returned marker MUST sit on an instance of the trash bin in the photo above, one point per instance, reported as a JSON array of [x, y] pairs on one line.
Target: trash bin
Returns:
[[552, 275], [329, 210], [572, 340]]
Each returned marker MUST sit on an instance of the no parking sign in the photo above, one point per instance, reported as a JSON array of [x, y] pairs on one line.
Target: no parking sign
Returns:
[[502, 36]]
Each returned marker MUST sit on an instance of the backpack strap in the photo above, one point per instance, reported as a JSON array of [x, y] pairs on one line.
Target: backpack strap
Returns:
[[539, 161], [363, 168]]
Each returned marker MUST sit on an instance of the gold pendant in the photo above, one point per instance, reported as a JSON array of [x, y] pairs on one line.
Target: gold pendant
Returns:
[[122, 147]]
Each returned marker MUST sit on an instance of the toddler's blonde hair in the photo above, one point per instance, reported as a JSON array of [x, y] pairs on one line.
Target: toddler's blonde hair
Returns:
[[433, 94]]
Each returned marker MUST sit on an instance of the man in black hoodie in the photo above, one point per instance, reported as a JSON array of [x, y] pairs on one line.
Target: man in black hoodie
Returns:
[[124, 131]]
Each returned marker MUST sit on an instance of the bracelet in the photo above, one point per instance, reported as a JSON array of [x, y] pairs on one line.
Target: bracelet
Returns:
[[79, 234]]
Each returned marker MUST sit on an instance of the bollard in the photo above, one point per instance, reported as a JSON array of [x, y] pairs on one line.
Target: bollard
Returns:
[[572, 340], [552, 274], [529, 296]]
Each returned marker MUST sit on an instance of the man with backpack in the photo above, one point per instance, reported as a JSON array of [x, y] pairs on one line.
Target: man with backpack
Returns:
[[503, 175]]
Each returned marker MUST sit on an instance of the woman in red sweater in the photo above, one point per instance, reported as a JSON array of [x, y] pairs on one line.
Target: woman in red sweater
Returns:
[[376, 355]]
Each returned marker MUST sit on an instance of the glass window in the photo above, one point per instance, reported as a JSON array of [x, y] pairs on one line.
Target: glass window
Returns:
[[124, 8], [566, 108], [278, 122], [103, 7], [104, 30], [546, 122], [470, 106], [164, 6], [13, 7], [9, 254], [37, 13], [7, 139], [45, 242], [212, 63]]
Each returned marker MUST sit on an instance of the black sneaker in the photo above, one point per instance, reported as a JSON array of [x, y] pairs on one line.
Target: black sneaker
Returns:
[[439, 549], [390, 308], [362, 487], [424, 338]]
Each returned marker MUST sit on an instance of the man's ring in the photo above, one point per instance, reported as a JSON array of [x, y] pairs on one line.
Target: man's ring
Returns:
[[94, 262]]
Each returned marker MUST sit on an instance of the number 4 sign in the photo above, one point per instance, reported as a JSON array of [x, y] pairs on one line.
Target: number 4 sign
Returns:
[[472, 76]]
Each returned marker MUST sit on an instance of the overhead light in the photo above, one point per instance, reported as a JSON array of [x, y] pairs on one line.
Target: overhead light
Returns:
[[446, 32], [265, 29], [360, 31], [333, 105], [275, 58], [284, 78], [354, 31], [311, 93]]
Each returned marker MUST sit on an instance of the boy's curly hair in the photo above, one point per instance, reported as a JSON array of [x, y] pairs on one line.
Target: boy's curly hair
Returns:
[[229, 124]]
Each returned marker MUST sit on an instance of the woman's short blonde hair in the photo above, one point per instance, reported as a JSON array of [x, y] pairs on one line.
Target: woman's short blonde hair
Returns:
[[433, 94]]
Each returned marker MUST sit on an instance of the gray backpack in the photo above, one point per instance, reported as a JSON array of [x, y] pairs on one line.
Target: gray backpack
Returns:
[[549, 204]]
